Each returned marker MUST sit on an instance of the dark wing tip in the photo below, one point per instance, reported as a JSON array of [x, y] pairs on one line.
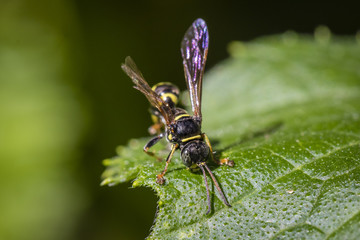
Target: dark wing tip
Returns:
[[128, 59], [127, 64], [200, 22]]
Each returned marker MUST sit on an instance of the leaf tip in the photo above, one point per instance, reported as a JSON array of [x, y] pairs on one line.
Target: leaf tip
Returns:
[[322, 34], [136, 183], [106, 181], [106, 162]]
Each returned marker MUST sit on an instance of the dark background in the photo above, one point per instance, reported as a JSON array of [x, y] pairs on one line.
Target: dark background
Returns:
[[100, 34]]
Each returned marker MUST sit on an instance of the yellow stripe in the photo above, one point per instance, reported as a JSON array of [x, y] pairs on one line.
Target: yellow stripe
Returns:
[[182, 115], [159, 84], [173, 97], [191, 138]]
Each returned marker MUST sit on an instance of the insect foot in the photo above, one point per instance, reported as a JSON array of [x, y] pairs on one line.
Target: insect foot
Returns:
[[160, 180], [227, 162]]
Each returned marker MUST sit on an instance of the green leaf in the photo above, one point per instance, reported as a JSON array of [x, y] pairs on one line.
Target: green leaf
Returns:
[[286, 109]]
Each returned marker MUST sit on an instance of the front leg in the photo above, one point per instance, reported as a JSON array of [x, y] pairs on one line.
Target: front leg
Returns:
[[160, 178], [223, 161], [151, 143]]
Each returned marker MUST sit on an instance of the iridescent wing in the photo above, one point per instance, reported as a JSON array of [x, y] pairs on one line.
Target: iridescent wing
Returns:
[[194, 49], [134, 73]]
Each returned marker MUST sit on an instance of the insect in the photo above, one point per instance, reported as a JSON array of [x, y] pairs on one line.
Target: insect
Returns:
[[182, 130]]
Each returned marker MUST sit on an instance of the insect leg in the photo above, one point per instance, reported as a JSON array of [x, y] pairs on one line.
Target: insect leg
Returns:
[[160, 178], [207, 189], [223, 161], [151, 143], [207, 141]]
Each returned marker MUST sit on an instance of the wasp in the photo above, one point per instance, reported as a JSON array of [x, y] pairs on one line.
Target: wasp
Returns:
[[182, 130]]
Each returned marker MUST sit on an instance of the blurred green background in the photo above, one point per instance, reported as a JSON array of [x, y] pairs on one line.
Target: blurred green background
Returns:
[[65, 103]]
